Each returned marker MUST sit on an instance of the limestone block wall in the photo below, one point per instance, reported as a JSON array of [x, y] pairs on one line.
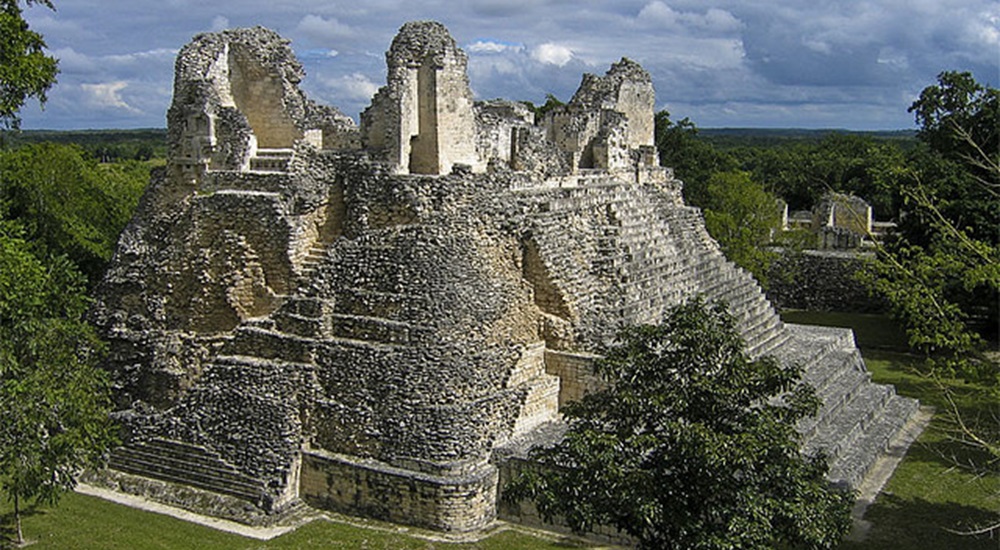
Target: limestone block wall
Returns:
[[575, 372], [820, 281], [840, 211], [413, 318], [613, 113], [497, 121], [236, 91], [336, 482]]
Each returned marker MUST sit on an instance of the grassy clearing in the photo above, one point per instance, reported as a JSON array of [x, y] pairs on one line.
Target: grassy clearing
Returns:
[[871, 331], [928, 497], [82, 522]]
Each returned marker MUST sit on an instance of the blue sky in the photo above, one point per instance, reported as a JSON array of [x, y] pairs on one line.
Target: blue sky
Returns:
[[855, 64]]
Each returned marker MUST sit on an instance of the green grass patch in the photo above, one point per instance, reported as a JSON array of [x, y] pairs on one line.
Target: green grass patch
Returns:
[[83, 522], [930, 496], [871, 330]]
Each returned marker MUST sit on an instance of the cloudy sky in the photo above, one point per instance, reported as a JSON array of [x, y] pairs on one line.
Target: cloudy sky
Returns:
[[855, 64]]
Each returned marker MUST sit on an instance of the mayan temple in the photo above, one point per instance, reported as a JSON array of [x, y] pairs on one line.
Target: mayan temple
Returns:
[[373, 319]]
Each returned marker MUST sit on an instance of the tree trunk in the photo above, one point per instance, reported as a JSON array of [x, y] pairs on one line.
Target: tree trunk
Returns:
[[17, 521]]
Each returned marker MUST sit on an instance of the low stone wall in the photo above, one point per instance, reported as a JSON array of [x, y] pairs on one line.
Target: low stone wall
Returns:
[[821, 280], [575, 372], [369, 488], [526, 513]]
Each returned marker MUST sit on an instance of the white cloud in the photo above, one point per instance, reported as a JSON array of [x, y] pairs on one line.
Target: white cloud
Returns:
[[354, 87], [492, 47], [71, 61], [714, 60], [714, 20], [144, 57], [658, 13], [321, 29], [220, 23], [107, 95], [552, 54], [48, 25]]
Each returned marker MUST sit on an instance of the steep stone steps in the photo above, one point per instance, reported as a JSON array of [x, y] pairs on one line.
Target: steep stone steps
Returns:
[[252, 371], [856, 418], [837, 433], [259, 182], [855, 462], [263, 343], [178, 462], [540, 401], [376, 329], [309, 262], [391, 306], [770, 343], [271, 160], [304, 316], [656, 254]]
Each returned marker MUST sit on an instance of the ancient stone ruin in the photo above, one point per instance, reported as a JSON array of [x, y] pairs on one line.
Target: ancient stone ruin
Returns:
[[377, 319]]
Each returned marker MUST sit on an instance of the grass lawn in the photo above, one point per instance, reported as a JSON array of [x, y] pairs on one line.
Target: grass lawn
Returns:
[[927, 497], [83, 522], [871, 331]]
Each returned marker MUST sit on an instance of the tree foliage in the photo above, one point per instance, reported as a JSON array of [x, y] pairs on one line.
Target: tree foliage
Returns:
[[958, 118], [68, 203], [25, 71], [551, 103], [802, 172], [742, 217], [54, 401], [693, 160], [942, 273], [690, 446]]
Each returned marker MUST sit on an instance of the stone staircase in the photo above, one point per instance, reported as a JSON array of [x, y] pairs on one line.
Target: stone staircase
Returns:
[[178, 462], [249, 389], [541, 390], [271, 160], [654, 255], [857, 419], [309, 262]]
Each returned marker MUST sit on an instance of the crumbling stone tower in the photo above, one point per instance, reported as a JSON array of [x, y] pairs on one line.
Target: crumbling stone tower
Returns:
[[381, 321], [609, 119], [422, 121]]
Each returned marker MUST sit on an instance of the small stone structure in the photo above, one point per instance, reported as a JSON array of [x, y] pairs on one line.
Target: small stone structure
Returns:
[[839, 221], [376, 320]]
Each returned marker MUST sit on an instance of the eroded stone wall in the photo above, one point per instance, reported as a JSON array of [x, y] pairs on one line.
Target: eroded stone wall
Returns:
[[422, 121]]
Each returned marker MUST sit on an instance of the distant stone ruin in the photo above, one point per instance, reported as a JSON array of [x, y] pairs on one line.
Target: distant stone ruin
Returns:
[[378, 319]]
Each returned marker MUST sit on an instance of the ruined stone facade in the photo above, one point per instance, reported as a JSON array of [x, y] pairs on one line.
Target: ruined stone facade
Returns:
[[372, 320]]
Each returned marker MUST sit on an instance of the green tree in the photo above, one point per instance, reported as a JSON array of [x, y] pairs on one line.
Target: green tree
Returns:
[[689, 446], [25, 70], [54, 401], [551, 103], [958, 118], [941, 274], [742, 217], [693, 160], [802, 172], [68, 203]]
